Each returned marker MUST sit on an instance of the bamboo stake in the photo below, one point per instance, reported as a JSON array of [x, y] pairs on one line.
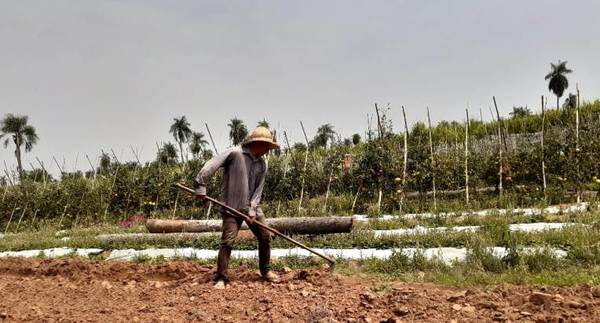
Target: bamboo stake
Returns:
[[64, 163], [211, 138], [115, 156], [502, 139], [208, 211], [500, 123], [20, 219], [577, 150], [10, 219], [544, 187], [175, 206], [110, 192], [369, 131], [59, 168], [481, 119], [379, 128], [379, 196], [500, 170], [92, 167], [432, 161], [405, 163], [159, 175], [355, 199], [34, 215], [467, 157], [327, 193], [286, 156], [43, 169], [304, 168], [135, 154], [63, 215]]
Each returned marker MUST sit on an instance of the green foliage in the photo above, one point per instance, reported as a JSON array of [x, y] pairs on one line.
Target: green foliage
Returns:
[[325, 134], [181, 131], [520, 112], [357, 172], [237, 131], [167, 154], [197, 143], [558, 82], [15, 129], [263, 123]]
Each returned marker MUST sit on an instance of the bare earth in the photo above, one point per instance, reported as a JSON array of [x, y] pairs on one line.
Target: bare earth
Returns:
[[77, 290]]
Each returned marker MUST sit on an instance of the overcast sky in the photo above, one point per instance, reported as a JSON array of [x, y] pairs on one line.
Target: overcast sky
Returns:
[[94, 74]]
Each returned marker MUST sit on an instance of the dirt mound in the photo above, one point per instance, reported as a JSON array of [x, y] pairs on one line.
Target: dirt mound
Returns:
[[85, 290]]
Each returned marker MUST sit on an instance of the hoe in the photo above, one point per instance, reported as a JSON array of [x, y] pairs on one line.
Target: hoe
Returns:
[[249, 220]]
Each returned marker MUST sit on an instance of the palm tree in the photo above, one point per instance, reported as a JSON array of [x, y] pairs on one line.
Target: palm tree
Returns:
[[181, 132], [16, 129], [197, 143], [237, 131], [325, 134], [558, 81], [167, 154], [264, 123]]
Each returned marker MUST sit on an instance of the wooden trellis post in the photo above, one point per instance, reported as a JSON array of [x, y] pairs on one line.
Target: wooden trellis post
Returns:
[[543, 152], [467, 158], [404, 166], [577, 149], [20, 219], [10, 219], [432, 161], [304, 168], [328, 187], [500, 150], [379, 126], [211, 138]]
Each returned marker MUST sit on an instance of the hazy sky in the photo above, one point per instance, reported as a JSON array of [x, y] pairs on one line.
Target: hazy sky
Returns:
[[95, 75]]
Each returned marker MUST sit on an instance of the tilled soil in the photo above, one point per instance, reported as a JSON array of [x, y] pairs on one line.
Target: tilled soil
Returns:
[[77, 290]]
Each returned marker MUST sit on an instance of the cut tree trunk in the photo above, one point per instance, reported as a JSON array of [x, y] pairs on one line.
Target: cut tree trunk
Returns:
[[18, 156], [300, 225], [177, 238]]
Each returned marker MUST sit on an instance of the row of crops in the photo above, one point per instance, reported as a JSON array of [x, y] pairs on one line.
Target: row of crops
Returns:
[[344, 178]]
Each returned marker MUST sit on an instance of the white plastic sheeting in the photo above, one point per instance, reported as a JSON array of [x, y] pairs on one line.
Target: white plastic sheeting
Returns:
[[555, 209], [51, 253], [446, 255], [522, 227]]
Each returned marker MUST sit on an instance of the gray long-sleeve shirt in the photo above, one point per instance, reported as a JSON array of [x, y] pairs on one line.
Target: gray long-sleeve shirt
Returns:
[[243, 178]]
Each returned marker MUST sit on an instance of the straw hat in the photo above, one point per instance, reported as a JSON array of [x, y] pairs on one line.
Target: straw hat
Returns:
[[261, 134]]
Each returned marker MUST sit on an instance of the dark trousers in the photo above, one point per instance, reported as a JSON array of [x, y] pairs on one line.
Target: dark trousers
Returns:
[[231, 226]]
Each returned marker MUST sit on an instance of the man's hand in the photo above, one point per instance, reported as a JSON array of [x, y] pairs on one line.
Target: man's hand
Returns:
[[252, 215], [201, 193]]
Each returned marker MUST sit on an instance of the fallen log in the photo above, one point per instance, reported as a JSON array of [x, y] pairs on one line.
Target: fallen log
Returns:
[[177, 238], [300, 225]]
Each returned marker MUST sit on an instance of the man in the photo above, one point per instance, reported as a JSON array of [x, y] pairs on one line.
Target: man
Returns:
[[243, 181]]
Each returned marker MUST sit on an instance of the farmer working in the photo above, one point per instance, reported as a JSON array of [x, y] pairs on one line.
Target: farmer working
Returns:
[[243, 182]]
